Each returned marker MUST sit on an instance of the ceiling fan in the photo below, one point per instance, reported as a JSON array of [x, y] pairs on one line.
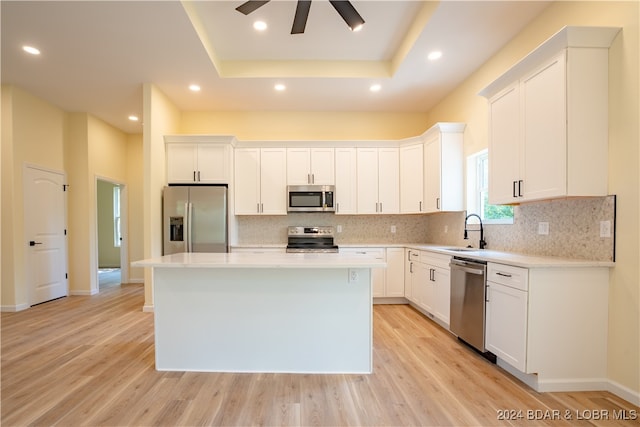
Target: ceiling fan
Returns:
[[343, 7]]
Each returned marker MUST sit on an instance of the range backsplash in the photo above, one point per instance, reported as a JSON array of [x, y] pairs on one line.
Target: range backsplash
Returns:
[[574, 229]]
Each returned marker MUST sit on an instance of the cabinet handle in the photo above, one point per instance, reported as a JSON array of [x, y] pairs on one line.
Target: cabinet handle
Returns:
[[514, 189], [313, 178], [411, 267], [503, 274], [261, 207], [420, 205], [194, 176], [380, 207], [308, 178], [337, 207], [198, 176], [486, 293], [520, 188], [258, 207], [438, 203]]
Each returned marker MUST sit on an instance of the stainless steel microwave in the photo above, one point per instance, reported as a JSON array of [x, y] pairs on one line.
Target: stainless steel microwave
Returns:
[[310, 198]]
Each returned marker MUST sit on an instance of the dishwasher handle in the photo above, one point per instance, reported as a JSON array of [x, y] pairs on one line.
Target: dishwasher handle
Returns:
[[464, 266]]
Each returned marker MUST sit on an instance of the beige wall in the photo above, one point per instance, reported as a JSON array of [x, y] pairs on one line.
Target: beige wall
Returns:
[[135, 205], [81, 146], [314, 126], [465, 105], [161, 118], [32, 133]]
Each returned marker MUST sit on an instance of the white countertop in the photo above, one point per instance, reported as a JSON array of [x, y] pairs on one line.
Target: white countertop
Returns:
[[488, 255], [262, 260]]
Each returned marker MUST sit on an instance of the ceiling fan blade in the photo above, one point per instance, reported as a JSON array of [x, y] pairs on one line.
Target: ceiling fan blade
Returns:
[[300, 19], [250, 6], [348, 13]]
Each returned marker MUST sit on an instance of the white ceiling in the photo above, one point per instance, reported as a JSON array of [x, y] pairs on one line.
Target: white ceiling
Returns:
[[96, 55]]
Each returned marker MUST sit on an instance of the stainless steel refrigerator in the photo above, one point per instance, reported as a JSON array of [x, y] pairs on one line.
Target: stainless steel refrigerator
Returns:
[[194, 219]]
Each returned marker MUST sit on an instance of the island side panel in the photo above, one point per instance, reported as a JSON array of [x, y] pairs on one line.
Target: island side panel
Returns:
[[263, 320]]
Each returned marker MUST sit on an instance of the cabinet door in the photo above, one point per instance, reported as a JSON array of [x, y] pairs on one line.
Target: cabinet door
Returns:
[[506, 324], [544, 132], [408, 274], [421, 287], [247, 181], [504, 143], [442, 293], [389, 180], [213, 164], [411, 179], [273, 181], [298, 166], [181, 163], [322, 166], [367, 178], [432, 169], [345, 178], [395, 273]]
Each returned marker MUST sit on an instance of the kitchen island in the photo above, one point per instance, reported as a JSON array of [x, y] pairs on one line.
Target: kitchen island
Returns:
[[271, 312]]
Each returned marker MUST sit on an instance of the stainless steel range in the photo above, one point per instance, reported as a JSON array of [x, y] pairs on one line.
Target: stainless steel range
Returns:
[[311, 239]]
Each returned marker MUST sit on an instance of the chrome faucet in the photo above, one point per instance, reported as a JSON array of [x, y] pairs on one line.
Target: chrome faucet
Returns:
[[482, 244]]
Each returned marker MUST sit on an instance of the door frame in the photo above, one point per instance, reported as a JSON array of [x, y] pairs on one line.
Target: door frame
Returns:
[[25, 230], [124, 229]]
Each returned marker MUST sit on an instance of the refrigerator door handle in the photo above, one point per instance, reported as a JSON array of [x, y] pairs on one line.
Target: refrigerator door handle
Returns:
[[187, 226], [190, 227]]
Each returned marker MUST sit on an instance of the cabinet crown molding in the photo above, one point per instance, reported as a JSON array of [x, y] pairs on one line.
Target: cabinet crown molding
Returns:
[[567, 37]]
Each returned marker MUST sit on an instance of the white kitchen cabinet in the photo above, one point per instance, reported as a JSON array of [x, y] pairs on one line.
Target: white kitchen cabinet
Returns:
[[260, 181], [346, 195], [310, 166], [203, 163], [387, 282], [412, 256], [394, 275], [411, 178], [548, 120], [427, 283], [378, 180], [443, 168], [506, 313]]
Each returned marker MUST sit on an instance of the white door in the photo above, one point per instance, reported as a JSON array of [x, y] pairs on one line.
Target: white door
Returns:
[[45, 238]]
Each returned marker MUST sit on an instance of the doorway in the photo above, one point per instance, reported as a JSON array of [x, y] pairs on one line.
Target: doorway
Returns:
[[111, 229]]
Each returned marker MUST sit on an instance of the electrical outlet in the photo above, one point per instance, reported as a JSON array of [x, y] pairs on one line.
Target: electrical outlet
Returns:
[[393, 229], [353, 276], [543, 228], [605, 228], [446, 229], [339, 228]]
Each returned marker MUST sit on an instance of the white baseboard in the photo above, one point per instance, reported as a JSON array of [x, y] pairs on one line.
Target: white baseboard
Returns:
[[83, 293], [136, 281], [147, 308], [573, 384], [13, 308], [623, 392]]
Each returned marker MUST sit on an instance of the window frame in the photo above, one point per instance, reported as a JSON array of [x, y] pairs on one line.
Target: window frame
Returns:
[[478, 187]]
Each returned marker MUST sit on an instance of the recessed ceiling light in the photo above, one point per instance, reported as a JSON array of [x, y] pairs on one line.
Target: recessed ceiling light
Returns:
[[436, 54], [194, 88], [259, 25], [133, 118], [32, 50], [375, 88], [279, 87]]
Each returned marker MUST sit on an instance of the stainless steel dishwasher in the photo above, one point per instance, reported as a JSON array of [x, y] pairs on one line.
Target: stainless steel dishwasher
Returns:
[[468, 288]]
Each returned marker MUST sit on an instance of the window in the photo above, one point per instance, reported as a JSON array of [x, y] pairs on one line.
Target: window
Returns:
[[117, 236], [478, 192]]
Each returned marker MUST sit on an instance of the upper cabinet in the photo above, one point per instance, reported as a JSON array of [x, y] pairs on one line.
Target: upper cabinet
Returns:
[[310, 166], [205, 163], [411, 178], [346, 196], [260, 181], [548, 120], [378, 180], [443, 168]]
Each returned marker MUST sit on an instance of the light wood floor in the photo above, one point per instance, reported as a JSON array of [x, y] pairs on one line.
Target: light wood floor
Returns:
[[89, 361]]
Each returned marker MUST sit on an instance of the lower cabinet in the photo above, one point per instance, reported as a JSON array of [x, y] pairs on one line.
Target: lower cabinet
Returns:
[[387, 282], [427, 283], [506, 314]]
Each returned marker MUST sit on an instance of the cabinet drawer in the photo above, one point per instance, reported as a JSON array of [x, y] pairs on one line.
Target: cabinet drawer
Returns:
[[413, 255], [377, 252], [514, 277], [435, 259]]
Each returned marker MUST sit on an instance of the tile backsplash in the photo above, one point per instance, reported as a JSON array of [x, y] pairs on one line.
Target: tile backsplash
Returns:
[[574, 229]]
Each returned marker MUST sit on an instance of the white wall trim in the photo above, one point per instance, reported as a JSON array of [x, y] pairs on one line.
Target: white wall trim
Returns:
[[84, 293], [14, 308], [624, 392], [148, 309]]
